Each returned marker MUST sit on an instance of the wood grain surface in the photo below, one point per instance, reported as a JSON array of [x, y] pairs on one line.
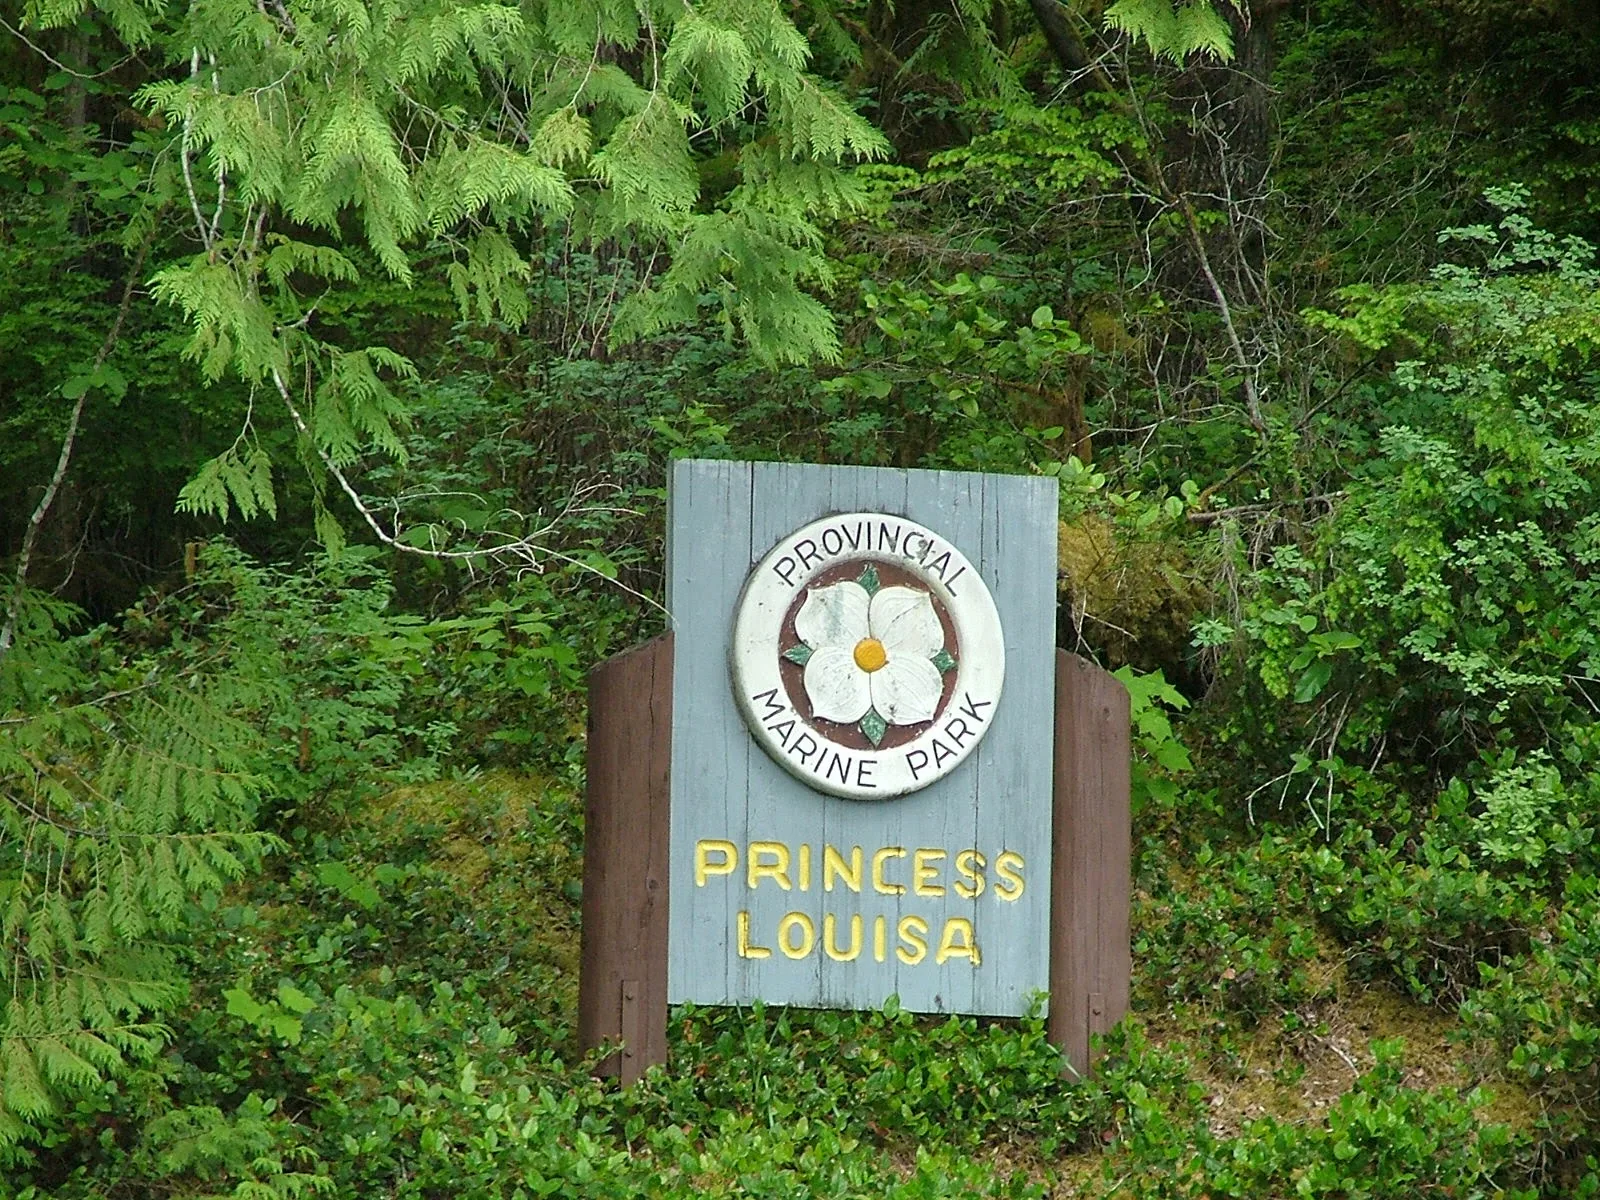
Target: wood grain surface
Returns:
[[723, 517]]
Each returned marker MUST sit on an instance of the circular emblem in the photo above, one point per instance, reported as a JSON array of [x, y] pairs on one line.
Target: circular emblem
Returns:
[[867, 655]]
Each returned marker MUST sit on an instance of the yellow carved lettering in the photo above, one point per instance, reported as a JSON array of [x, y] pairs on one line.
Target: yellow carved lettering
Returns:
[[705, 867], [830, 926], [805, 866], [879, 883], [925, 873], [777, 870], [834, 867], [958, 941], [1008, 866], [913, 946], [808, 934], [880, 939], [747, 949], [969, 864]]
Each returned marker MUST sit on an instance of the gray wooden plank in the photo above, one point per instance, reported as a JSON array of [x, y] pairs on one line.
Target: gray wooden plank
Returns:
[[727, 787], [1019, 933], [709, 740]]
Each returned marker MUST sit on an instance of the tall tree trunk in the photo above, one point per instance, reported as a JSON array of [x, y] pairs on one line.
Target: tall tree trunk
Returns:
[[1246, 96]]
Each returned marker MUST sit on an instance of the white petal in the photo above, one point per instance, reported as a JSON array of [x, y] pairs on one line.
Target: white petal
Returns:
[[835, 615], [906, 690], [904, 621], [836, 687]]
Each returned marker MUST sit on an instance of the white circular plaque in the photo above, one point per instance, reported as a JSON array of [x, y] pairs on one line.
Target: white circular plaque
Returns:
[[867, 655]]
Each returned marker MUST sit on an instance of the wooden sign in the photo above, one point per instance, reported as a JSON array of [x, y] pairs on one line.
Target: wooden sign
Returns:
[[862, 723], [857, 767]]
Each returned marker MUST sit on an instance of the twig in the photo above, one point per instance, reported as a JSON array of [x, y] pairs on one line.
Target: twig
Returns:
[[1325, 1041], [1335, 1047], [1218, 514], [524, 549], [202, 226], [56, 62], [1247, 369], [222, 170]]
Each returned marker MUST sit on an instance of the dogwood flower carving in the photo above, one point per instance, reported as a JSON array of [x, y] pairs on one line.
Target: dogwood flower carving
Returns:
[[873, 656]]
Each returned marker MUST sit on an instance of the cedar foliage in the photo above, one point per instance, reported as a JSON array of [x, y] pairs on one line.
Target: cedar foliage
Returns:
[[465, 136], [117, 814]]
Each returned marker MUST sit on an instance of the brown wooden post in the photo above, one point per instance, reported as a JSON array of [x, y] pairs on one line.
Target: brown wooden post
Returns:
[[622, 986], [1090, 957]]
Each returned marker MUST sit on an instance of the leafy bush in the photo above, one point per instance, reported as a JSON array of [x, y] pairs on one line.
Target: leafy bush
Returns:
[[1426, 913], [1542, 1011], [1229, 929], [1466, 883], [1381, 1139], [1160, 758], [891, 1076], [1447, 611]]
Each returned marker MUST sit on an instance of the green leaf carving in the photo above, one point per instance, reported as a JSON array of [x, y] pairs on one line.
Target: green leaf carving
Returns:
[[945, 661], [873, 725], [798, 654], [869, 580]]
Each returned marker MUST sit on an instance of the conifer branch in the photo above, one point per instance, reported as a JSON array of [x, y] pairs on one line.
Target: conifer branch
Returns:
[[523, 549]]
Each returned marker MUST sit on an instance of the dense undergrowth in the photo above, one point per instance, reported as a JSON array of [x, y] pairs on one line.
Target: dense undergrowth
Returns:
[[1366, 906], [355, 1029], [389, 1008]]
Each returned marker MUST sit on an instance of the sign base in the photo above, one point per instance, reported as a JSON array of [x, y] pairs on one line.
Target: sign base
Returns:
[[622, 990], [622, 981], [1091, 960]]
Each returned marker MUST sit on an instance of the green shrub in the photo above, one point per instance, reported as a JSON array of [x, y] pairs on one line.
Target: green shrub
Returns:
[[1426, 912], [1381, 1140], [1231, 929], [1542, 1011], [1446, 609]]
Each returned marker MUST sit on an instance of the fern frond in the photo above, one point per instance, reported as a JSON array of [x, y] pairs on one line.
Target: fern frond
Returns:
[[127, 814], [1173, 29], [232, 327], [354, 160]]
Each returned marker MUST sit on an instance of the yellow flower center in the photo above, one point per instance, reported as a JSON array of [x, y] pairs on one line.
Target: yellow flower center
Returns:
[[870, 654]]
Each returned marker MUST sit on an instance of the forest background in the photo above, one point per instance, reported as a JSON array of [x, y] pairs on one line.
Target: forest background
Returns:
[[345, 343]]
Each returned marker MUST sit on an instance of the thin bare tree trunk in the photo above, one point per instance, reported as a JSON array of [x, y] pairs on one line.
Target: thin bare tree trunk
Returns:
[[8, 630]]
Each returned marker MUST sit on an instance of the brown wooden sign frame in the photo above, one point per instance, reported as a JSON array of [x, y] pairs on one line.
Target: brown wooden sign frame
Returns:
[[622, 994]]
